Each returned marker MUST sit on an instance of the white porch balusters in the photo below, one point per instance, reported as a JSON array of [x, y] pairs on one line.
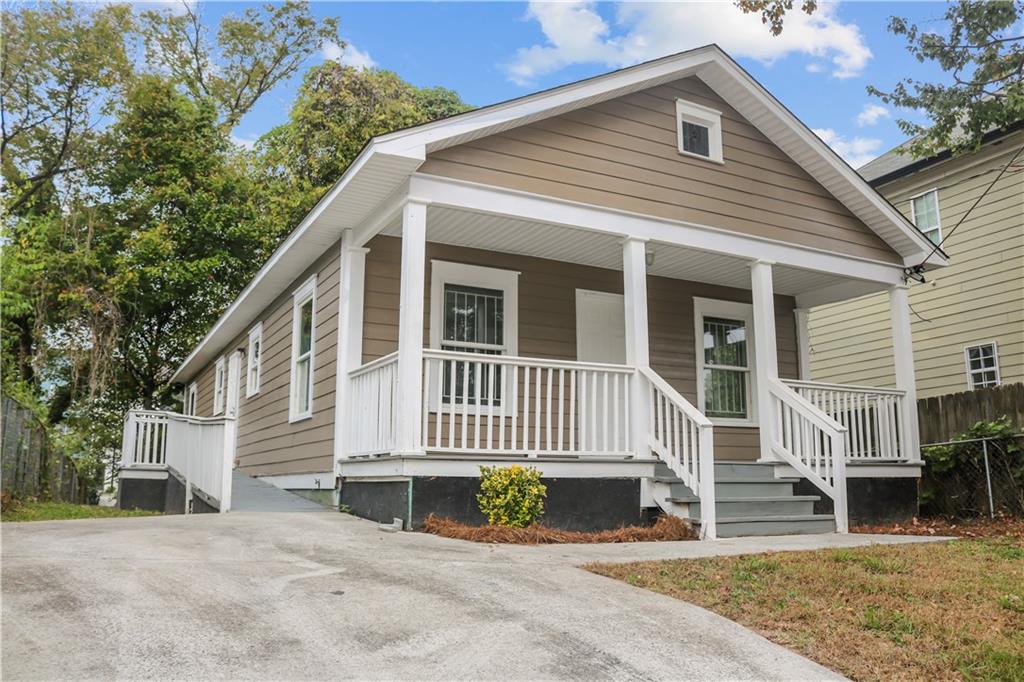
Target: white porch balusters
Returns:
[[350, 339], [410, 329], [903, 359], [766, 363]]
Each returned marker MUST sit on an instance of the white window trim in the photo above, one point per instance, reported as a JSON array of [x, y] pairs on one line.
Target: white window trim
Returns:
[[191, 399], [252, 385], [219, 385], [729, 309], [507, 281], [938, 212], [967, 363], [302, 295], [702, 116]]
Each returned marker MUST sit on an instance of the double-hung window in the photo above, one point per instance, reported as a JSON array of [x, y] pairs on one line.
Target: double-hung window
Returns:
[[473, 310], [924, 210], [303, 349], [982, 365], [253, 358], [191, 399], [699, 131], [219, 385], [725, 361]]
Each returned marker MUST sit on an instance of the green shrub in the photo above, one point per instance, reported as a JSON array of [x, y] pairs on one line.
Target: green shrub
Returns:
[[511, 496]]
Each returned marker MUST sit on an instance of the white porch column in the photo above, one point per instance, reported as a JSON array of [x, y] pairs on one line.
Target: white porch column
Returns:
[[350, 337], [803, 343], [766, 362], [410, 329], [634, 289], [903, 360]]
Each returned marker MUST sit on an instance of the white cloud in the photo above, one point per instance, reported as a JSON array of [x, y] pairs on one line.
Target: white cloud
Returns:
[[350, 55], [871, 114], [856, 151], [815, 67], [576, 33], [244, 142]]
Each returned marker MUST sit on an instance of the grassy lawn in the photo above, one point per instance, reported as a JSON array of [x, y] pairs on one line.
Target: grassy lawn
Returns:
[[56, 511], [951, 610]]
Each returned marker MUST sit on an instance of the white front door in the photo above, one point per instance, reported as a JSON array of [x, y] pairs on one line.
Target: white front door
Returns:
[[600, 327], [601, 337]]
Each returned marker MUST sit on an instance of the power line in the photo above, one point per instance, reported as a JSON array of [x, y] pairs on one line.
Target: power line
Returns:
[[919, 268]]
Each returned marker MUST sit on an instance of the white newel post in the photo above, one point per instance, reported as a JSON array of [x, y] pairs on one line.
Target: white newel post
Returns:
[[903, 360], [410, 329], [766, 363], [634, 289], [350, 339], [803, 342], [230, 428]]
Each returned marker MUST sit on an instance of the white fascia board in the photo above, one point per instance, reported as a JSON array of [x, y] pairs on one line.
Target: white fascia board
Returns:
[[274, 277], [488, 199], [807, 137]]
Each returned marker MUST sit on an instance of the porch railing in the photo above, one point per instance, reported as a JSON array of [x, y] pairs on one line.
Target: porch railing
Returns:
[[810, 441], [372, 416], [506, 404], [197, 448], [873, 417], [681, 436]]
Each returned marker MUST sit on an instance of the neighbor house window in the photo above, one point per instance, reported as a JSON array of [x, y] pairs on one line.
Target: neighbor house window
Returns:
[[924, 210], [473, 310], [303, 349], [254, 360], [982, 365], [725, 360], [699, 130], [219, 384], [191, 399]]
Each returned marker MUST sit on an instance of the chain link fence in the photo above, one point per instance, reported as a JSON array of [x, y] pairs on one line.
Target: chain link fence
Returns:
[[973, 477]]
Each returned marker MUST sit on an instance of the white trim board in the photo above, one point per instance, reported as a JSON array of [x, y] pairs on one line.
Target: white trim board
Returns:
[[301, 481], [468, 466]]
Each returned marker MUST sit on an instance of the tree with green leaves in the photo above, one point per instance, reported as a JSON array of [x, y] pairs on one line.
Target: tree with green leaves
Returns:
[[981, 47]]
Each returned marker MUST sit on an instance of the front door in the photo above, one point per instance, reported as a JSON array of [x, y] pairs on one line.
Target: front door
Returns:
[[600, 327], [601, 337]]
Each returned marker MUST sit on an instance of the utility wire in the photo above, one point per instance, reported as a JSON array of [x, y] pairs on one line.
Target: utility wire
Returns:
[[919, 268]]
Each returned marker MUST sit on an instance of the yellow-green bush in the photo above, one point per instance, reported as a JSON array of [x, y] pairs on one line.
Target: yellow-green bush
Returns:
[[511, 496]]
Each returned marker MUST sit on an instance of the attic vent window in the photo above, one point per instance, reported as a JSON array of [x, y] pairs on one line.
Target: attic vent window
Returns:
[[700, 131]]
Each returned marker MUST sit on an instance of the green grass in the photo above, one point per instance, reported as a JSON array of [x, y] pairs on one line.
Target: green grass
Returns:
[[60, 511], [948, 610]]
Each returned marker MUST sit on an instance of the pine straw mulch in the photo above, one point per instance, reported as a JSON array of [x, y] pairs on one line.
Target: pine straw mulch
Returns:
[[666, 528], [1000, 526]]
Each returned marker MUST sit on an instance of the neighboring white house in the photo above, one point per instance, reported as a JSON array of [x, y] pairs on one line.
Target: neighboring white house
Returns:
[[607, 280]]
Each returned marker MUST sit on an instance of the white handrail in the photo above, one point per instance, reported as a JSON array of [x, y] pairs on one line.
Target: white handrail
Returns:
[[811, 442], [528, 406], [197, 448], [873, 417], [682, 437], [371, 425]]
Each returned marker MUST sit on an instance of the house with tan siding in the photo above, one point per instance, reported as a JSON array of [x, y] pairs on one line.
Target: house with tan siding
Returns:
[[608, 281], [967, 320]]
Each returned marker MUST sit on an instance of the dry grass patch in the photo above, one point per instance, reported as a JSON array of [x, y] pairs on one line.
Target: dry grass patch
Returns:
[[951, 610], [666, 528]]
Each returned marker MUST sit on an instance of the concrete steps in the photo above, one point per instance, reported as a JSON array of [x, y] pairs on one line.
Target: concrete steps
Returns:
[[749, 500]]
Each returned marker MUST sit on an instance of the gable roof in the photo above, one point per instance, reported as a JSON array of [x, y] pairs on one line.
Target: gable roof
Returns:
[[387, 161]]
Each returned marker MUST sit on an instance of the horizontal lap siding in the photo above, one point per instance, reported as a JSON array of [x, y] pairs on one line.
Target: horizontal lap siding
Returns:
[[547, 317], [267, 443], [978, 298], [623, 154]]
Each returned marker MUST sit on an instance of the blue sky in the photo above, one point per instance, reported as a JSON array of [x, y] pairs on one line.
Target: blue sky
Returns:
[[489, 52]]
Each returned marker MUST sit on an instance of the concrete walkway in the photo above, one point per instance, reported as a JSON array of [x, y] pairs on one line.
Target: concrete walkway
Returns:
[[250, 494], [322, 596]]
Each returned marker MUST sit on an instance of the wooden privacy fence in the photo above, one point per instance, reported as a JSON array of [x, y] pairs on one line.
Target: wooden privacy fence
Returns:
[[946, 416], [29, 463]]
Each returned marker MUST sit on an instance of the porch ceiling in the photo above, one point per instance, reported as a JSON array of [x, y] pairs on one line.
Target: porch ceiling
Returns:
[[556, 242]]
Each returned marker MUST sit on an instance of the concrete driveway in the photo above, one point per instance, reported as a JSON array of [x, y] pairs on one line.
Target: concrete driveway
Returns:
[[321, 596]]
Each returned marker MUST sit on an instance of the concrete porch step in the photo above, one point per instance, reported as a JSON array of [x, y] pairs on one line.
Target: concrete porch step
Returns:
[[733, 507], [799, 524]]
